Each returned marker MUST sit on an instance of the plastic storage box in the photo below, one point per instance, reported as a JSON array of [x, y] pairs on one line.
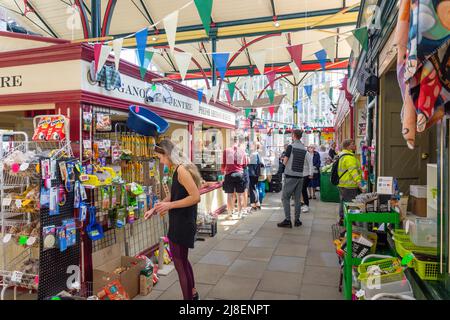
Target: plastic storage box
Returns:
[[423, 232], [402, 287], [418, 191]]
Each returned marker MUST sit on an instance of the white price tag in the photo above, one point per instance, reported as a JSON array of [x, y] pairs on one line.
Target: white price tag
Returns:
[[31, 241], [7, 238], [17, 276], [6, 202]]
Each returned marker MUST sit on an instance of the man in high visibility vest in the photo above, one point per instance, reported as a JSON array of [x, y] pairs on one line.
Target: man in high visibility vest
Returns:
[[350, 174]]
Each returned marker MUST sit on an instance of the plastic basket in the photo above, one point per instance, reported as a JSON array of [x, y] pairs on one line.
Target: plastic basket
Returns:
[[401, 236], [384, 265], [397, 287], [405, 248], [426, 270]]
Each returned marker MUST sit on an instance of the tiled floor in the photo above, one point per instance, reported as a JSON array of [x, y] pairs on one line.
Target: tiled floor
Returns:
[[254, 259]]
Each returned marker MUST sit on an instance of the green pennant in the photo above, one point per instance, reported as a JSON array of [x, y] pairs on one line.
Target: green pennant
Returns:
[[144, 66], [271, 94], [154, 87], [247, 112], [231, 89], [204, 8], [363, 37]]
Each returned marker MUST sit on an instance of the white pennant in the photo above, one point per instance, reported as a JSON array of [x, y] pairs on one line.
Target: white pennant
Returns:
[[326, 89], [170, 26], [259, 58], [250, 90], [117, 47], [215, 90], [183, 60], [209, 94], [295, 71], [104, 53], [329, 45], [354, 44]]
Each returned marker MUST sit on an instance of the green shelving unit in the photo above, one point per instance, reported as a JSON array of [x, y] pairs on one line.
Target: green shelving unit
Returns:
[[349, 218]]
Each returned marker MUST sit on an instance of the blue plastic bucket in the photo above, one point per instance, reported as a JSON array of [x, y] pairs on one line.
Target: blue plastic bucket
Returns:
[[145, 122]]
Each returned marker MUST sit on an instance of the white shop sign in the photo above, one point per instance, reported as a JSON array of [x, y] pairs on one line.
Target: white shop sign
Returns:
[[164, 97]]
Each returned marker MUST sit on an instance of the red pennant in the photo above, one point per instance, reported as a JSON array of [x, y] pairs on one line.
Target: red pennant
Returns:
[[27, 7], [271, 77], [227, 93], [97, 51], [296, 53], [271, 111]]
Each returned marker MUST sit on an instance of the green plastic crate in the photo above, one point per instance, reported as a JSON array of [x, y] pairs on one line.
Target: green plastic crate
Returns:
[[328, 191]]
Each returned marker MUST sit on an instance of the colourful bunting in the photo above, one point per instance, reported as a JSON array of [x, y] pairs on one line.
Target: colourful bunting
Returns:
[[298, 105], [247, 112], [221, 60], [308, 90], [296, 53], [200, 95], [117, 47], [209, 94], [362, 36], [259, 59], [141, 43], [295, 71], [271, 77], [183, 60], [204, 8], [231, 88], [215, 90], [170, 26], [143, 67], [271, 94], [227, 93], [329, 45], [322, 57]]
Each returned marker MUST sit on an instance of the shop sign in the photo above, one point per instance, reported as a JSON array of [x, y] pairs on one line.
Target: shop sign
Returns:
[[10, 81]]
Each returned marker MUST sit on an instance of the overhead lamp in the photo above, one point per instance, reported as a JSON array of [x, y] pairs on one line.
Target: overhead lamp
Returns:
[[154, 38], [275, 22]]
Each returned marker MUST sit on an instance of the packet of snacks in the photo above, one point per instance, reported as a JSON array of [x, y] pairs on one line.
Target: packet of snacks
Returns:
[[40, 133], [56, 129]]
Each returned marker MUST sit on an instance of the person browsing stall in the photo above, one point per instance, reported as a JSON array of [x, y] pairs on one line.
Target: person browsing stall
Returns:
[[181, 205]]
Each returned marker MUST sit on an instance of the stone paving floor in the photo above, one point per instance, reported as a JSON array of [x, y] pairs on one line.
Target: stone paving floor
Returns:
[[254, 259]]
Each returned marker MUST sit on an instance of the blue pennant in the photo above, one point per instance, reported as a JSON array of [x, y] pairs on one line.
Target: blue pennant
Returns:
[[221, 60], [322, 57]]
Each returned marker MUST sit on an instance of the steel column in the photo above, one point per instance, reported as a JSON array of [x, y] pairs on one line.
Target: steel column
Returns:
[[96, 16], [213, 69]]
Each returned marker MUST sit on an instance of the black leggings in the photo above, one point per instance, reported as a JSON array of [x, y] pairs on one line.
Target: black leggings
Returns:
[[184, 269], [254, 195], [306, 181]]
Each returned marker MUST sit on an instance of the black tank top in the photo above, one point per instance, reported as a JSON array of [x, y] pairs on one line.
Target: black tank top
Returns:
[[182, 221]]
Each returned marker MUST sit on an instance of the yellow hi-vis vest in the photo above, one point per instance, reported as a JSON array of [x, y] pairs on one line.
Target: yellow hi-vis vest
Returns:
[[352, 168]]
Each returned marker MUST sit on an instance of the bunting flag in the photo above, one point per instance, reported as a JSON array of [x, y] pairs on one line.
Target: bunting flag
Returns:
[[200, 95], [354, 44], [308, 90], [117, 47], [250, 90], [271, 77], [326, 89], [322, 57], [259, 59], [298, 105], [215, 90], [221, 60], [295, 71], [143, 66], [183, 60], [296, 53], [209, 94], [227, 93], [204, 8], [271, 94], [362, 36], [231, 88], [247, 112], [97, 52], [104, 53], [170, 26], [315, 98], [329, 45], [141, 43]]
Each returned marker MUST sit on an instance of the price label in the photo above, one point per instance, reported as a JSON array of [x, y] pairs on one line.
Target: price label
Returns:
[[6, 202], [17, 276]]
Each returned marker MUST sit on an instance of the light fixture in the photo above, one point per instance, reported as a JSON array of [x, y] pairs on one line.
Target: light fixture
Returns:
[[276, 24], [154, 38]]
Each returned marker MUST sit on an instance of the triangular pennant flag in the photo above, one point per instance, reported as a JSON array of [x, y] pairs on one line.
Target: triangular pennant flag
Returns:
[[170, 26], [308, 90], [141, 43], [97, 52], [298, 105], [144, 66], [271, 77], [117, 47], [363, 37], [204, 8], [215, 90], [354, 44], [322, 57], [247, 112], [200, 95], [259, 59], [271, 111], [326, 89], [209, 94], [295, 71], [183, 60], [271, 94], [296, 53], [221, 60], [104, 53], [329, 45], [227, 93], [315, 98], [250, 90], [231, 89]]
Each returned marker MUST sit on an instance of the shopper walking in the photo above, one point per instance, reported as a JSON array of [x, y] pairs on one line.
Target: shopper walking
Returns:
[[332, 152], [314, 183], [350, 175], [181, 205], [233, 163], [293, 179], [255, 166], [308, 172]]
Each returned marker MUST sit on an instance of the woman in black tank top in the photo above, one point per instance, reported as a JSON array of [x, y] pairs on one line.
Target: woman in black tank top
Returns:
[[181, 205]]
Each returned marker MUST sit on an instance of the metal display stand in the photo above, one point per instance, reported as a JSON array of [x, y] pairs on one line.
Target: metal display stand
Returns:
[[349, 261]]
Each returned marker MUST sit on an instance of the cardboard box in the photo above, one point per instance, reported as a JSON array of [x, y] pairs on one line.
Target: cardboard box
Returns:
[[418, 206], [107, 260]]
